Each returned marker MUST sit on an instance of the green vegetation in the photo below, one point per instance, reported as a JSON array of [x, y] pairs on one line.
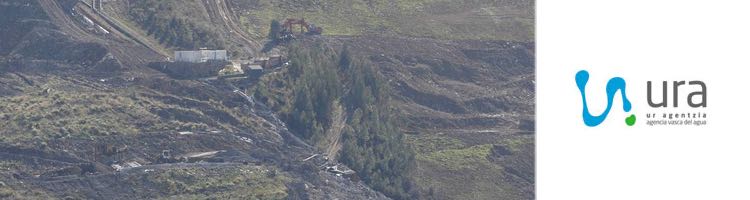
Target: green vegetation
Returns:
[[373, 146], [9, 165], [449, 168], [511, 20], [273, 32], [431, 143], [443, 19], [172, 24], [317, 79], [517, 143], [227, 183], [55, 108], [456, 159], [7, 192], [317, 86]]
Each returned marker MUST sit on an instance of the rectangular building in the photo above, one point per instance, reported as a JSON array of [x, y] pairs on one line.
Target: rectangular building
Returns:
[[254, 71], [200, 56]]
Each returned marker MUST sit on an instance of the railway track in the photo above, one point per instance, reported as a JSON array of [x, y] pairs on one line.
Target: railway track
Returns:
[[129, 53], [122, 30], [220, 12], [58, 16]]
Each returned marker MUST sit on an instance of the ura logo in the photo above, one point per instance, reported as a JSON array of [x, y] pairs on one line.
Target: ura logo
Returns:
[[613, 85]]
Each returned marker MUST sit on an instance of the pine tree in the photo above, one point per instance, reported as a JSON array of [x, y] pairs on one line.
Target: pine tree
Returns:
[[371, 142], [273, 33]]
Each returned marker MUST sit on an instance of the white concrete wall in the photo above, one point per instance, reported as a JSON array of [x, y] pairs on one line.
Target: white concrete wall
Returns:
[[200, 56], [214, 55], [187, 56]]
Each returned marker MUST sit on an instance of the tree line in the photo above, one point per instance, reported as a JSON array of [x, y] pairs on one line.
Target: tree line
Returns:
[[172, 30], [372, 143]]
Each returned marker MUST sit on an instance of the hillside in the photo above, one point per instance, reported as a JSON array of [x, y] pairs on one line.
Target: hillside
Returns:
[[441, 19], [71, 117], [241, 25], [468, 111], [426, 99]]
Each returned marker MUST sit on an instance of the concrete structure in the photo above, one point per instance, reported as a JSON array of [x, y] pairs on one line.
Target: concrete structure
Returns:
[[274, 61], [200, 56], [262, 61], [254, 71], [267, 62], [255, 68]]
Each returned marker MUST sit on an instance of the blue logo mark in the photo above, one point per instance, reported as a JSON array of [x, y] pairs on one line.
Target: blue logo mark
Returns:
[[613, 85]]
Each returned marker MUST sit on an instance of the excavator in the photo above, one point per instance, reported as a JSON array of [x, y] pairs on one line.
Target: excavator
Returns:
[[287, 29]]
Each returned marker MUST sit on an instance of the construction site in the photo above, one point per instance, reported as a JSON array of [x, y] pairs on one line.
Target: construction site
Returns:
[[287, 29], [110, 160], [97, 104]]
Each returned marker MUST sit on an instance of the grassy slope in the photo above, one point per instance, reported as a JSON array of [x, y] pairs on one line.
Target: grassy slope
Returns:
[[237, 183], [58, 107], [463, 155], [511, 20], [444, 19], [453, 169]]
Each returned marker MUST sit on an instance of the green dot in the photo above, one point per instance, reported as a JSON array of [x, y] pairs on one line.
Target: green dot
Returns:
[[630, 120]]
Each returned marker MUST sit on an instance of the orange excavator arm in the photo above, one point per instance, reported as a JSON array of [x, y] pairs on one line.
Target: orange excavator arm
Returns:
[[289, 24]]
